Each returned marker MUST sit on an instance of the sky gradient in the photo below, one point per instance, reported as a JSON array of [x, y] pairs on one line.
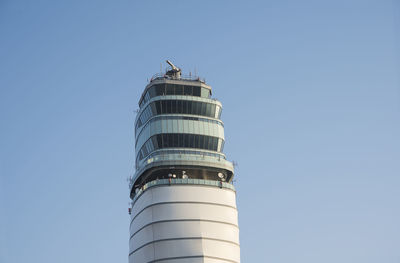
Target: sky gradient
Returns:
[[311, 97]]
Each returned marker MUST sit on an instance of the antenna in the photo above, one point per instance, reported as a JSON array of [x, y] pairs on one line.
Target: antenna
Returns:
[[235, 164]]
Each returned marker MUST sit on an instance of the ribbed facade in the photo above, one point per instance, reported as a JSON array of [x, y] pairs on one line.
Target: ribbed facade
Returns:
[[183, 202]]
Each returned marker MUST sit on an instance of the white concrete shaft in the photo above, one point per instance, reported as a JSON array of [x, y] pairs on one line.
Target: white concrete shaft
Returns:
[[185, 223]]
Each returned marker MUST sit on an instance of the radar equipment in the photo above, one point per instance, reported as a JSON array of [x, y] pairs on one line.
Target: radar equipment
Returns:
[[175, 72]]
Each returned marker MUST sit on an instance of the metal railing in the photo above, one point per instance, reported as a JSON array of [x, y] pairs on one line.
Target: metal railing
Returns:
[[183, 77], [184, 156], [175, 181]]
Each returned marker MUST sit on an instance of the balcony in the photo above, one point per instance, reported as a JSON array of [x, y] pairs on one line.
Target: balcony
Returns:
[[188, 181]]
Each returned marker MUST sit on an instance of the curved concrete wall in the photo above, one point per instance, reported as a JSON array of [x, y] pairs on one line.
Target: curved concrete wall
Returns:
[[184, 223]]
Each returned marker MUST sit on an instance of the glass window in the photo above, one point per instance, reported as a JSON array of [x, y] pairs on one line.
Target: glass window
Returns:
[[159, 141], [205, 93], [179, 90], [165, 140], [187, 90], [169, 89], [214, 145], [152, 92], [153, 108], [212, 114], [197, 108], [160, 89], [168, 102], [208, 110], [203, 109], [190, 107], [185, 107], [201, 142], [175, 140], [168, 140], [196, 91], [206, 142], [196, 141], [180, 140], [191, 140], [173, 106], [179, 106], [155, 142], [185, 140], [158, 107]]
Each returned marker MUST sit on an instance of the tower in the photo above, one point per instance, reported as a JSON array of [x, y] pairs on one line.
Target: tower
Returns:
[[183, 201]]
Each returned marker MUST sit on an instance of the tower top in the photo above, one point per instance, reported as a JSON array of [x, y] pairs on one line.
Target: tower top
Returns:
[[175, 72]]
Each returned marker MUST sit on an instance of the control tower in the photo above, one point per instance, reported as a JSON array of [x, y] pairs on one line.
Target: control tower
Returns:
[[183, 201]]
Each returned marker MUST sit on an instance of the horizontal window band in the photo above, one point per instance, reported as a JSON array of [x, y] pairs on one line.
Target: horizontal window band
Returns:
[[190, 107], [179, 140], [183, 238], [180, 202], [175, 117], [185, 151], [163, 89]]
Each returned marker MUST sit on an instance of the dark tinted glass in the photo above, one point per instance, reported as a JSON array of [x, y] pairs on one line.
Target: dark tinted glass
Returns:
[[196, 91], [173, 106], [214, 144], [191, 140], [180, 140], [185, 140], [159, 140], [168, 140], [196, 108], [158, 107], [187, 90], [206, 142], [160, 89], [152, 92], [179, 106], [190, 107], [176, 140], [201, 142], [173, 89], [168, 102], [179, 90], [169, 89], [185, 107]]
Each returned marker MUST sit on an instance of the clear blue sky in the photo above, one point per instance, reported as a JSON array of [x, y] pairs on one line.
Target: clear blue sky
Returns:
[[311, 95]]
